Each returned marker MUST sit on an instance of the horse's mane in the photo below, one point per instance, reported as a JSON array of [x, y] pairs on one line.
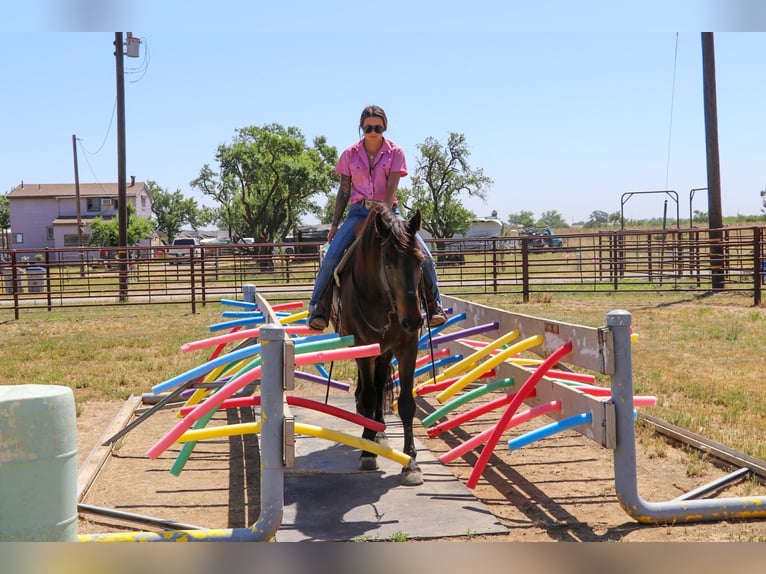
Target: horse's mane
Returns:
[[399, 234]]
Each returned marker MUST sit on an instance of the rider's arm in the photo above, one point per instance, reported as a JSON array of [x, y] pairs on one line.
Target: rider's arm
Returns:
[[341, 201], [392, 184]]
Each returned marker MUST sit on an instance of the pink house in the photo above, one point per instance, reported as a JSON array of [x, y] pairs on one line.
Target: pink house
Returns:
[[44, 215]]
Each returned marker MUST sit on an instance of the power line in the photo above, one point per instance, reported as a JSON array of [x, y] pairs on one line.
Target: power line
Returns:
[[672, 98], [108, 129]]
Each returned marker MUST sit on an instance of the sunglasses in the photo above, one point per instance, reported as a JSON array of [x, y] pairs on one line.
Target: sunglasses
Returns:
[[376, 129]]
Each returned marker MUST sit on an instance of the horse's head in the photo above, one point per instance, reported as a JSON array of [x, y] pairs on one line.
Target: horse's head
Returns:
[[400, 262]]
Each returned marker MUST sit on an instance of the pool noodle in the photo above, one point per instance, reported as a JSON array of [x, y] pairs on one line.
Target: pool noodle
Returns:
[[237, 335], [515, 420], [551, 429], [207, 367], [236, 355], [476, 411], [440, 386], [465, 398], [235, 303], [187, 449], [305, 403], [462, 365], [242, 322], [429, 334], [519, 397], [438, 340], [322, 380], [242, 381], [303, 428], [490, 362]]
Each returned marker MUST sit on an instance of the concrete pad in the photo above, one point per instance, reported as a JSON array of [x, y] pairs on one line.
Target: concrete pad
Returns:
[[328, 499]]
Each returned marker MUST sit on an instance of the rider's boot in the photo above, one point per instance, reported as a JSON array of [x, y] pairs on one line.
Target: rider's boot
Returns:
[[434, 311]]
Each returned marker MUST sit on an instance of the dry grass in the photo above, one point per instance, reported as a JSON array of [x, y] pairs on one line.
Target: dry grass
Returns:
[[702, 357]]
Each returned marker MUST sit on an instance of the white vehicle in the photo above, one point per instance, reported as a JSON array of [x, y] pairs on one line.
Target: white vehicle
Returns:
[[184, 247]]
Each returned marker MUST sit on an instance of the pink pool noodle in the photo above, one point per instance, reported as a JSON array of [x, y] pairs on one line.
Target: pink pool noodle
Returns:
[[284, 306], [517, 419], [519, 397], [238, 335]]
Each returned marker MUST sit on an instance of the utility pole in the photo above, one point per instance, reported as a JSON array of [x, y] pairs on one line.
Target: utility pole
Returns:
[[122, 203], [713, 167], [77, 191], [77, 206]]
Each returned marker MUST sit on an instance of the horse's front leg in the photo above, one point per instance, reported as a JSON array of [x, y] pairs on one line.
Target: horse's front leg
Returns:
[[366, 405], [411, 474]]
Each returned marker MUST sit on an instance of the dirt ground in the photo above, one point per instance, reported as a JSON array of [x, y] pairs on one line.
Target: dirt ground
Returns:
[[559, 489]]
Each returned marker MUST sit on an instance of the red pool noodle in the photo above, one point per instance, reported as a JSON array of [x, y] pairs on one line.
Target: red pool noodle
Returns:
[[518, 398], [301, 402], [470, 415]]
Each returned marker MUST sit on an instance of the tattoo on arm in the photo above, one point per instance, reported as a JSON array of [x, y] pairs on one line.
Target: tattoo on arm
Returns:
[[344, 192]]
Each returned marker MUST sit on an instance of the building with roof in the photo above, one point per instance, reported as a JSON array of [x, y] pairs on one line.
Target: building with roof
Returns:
[[45, 215]]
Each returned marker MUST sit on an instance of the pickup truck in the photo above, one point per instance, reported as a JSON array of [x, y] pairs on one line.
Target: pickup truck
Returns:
[[543, 238], [183, 248]]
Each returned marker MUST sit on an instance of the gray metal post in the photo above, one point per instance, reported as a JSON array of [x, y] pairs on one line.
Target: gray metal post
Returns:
[[672, 511], [273, 338], [248, 292]]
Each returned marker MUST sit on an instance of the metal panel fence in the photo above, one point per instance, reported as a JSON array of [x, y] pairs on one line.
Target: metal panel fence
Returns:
[[693, 260]]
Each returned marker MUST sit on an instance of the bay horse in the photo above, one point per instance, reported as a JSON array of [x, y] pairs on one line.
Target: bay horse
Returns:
[[378, 301]]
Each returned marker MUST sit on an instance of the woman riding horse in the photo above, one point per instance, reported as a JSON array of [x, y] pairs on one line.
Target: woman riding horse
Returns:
[[379, 302], [370, 171]]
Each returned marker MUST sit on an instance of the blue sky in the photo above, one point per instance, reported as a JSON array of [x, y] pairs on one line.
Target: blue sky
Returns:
[[564, 116]]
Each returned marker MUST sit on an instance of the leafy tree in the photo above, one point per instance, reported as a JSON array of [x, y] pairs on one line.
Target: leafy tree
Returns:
[[763, 199], [441, 175], [5, 219], [224, 192], [106, 232], [267, 179], [172, 211], [597, 219], [522, 218], [700, 216], [552, 219], [614, 218]]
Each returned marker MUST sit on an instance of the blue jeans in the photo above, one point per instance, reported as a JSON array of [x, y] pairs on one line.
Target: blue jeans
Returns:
[[344, 238]]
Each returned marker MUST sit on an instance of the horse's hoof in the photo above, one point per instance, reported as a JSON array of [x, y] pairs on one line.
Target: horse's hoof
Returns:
[[412, 477], [368, 463]]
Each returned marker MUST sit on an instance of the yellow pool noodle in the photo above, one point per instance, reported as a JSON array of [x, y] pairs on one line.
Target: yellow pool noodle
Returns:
[[488, 364], [300, 428], [463, 364]]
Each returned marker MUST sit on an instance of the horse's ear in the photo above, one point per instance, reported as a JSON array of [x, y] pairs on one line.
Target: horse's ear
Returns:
[[413, 224], [381, 228]]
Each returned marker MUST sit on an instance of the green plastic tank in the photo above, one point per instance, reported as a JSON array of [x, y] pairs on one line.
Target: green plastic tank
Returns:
[[38, 463]]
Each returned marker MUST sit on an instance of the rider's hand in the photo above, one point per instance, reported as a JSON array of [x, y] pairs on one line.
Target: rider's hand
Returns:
[[331, 234]]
